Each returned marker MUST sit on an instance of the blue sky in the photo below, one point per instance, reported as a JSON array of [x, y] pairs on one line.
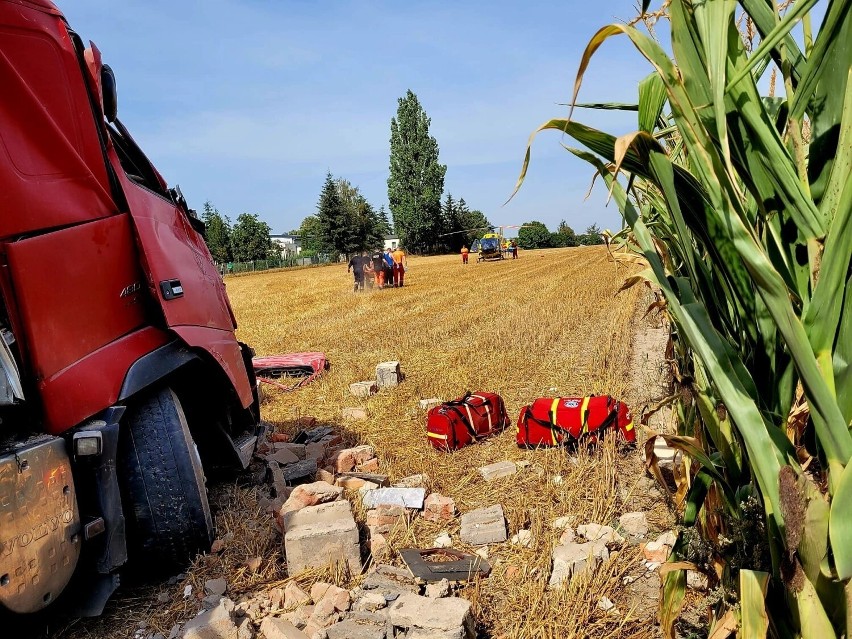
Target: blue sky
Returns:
[[249, 103]]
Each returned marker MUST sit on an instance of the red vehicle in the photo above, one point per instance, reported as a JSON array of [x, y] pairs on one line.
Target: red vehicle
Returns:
[[121, 380]]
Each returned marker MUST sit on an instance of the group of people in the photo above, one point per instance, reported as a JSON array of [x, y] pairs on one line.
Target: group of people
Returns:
[[379, 270]]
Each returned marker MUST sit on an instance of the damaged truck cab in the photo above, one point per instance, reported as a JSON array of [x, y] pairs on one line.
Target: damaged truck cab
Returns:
[[121, 379]]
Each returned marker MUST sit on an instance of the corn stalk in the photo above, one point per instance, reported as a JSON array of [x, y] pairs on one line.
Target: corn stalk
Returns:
[[746, 227]]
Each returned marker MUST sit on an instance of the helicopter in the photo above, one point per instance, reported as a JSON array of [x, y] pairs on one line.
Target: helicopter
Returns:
[[493, 245]]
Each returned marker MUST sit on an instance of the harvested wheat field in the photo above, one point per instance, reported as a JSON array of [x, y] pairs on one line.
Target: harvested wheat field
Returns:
[[550, 323]]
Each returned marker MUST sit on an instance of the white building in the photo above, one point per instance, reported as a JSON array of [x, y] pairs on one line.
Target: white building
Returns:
[[391, 242], [288, 244]]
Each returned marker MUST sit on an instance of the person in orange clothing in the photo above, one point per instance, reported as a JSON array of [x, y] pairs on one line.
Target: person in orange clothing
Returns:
[[464, 253], [399, 264]]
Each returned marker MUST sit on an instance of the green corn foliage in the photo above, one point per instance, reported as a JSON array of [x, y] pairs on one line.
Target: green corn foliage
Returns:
[[745, 223]]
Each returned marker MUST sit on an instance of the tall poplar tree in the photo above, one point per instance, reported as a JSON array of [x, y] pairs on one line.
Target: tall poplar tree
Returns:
[[416, 180]]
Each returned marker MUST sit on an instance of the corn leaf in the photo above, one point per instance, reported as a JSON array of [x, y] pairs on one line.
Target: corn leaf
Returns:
[[840, 525], [652, 98], [771, 39], [754, 622]]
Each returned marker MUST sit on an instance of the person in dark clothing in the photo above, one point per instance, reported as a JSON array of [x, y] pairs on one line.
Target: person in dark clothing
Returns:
[[379, 268], [357, 266]]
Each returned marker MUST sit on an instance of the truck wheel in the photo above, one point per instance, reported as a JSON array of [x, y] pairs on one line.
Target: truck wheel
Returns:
[[168, 516]]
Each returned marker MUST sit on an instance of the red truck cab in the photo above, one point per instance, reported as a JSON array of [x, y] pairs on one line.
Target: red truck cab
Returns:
[[121, 379]]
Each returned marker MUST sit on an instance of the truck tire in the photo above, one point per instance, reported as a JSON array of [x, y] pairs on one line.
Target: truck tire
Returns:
[[165, 500]]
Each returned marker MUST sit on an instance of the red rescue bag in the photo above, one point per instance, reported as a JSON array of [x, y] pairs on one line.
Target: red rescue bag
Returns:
[[554, 421], [453, 425]]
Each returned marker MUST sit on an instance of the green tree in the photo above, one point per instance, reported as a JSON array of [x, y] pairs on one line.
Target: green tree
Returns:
[[533, 235], [416, 179], [334, 227], [250, 239], [310, 234], [217, 233], [564, 236], [591, 237], [365, 225], [384, 224]]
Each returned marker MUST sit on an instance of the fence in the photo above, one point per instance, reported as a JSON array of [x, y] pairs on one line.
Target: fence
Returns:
[[234, 268]]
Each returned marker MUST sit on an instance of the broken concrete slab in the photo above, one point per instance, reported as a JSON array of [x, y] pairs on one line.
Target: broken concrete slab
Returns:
[[597, 532], [273, 628], [634, 525], [446, 615], [388, 374], [498, 470], [443, 541], [351, 629], [572, 559], [407, 497], [215, 587], [317, 535], [390, 582], [484, 526], [363, 389], [354, 414], [213, 624]]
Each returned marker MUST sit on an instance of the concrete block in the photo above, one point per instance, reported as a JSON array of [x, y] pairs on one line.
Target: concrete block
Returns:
[[498, 470], [446, 615], [363, 389], [297, 449], [283, 456], [407, 497], [318, 535], [388, 374], [484, 526]]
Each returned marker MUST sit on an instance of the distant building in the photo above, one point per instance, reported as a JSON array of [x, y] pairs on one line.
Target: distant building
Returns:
[[288, 244], [391, 241]]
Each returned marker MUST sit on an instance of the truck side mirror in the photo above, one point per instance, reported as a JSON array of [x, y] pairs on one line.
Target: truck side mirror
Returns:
[[110, 93]]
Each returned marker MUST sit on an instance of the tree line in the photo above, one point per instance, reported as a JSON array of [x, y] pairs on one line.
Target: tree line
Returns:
[[246, 240], [535, 235]]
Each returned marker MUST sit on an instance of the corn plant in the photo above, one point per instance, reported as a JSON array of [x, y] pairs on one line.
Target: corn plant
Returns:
[[740, 206]]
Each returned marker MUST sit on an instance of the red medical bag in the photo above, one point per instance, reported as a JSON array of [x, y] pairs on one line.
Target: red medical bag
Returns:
[[453, 425], [554, 421]]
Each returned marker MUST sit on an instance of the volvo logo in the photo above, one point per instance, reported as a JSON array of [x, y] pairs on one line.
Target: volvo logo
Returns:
[[38, 531]]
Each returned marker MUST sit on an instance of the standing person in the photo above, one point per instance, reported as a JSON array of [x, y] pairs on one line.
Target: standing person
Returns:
[[399, 264], [389, 268], [369, 273], [357, 266], [514, 249], [464, 253], [378, 268]]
